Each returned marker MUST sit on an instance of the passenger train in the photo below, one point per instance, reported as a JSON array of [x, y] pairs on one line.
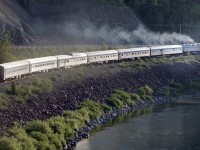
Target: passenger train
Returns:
[[18, 69]]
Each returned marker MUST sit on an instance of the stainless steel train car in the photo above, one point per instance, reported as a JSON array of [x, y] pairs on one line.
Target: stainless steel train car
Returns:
[[14, 69], [193, 48], [18, 69], [166, 50], [42, 64], [102, 56], [133, 53], [78, 59]]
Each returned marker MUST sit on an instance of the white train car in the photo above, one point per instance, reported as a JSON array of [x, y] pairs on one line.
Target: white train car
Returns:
[[102, 56], [42, 64], [193, 48], [166, 50], [14, 69], [64, 61], [133, 53], [78, 59]]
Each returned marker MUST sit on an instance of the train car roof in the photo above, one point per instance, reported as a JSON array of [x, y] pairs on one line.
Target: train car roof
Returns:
[[165, 47], [42, 59], [106, 52], [14, 64], [76, 54], [192, 44], [63, 56], [133, 49]]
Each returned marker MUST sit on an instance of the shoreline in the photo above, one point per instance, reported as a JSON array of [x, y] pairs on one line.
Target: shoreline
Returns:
[[141, 105], [108, 116]]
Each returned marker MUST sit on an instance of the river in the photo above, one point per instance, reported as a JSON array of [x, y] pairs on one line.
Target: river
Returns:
[[167, 128]]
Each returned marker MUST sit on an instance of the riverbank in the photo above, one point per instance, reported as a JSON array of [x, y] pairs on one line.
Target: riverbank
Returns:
[[97, 83], [108, 116]]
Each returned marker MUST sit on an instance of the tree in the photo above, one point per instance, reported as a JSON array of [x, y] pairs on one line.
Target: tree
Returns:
[[5, 49]]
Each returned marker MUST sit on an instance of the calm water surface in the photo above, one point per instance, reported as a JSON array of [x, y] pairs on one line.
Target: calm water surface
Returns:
[[172, 128]]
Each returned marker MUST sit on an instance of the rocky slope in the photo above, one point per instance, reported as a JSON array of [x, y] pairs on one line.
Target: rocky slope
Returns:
[[66, 95], [61, 21]]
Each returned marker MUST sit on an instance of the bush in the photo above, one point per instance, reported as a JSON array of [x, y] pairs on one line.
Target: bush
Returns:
[[145, 92], [23, 139], [3, 101], [9, 144], [45, 85], [95, 110], [55, 140], [135, 97], [39, 136], [18, 99], [43, 145], [119, 99], [124, 97], [38, 126], [114, 101]]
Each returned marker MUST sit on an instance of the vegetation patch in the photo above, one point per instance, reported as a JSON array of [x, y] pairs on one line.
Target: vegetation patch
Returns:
[[21, 92], [53, 133], [191, 86]]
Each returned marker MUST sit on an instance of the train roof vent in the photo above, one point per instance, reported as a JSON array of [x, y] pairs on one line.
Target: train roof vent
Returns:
[[74, 53]]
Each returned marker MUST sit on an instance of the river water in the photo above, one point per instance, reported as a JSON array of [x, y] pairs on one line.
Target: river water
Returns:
[[167, 128]]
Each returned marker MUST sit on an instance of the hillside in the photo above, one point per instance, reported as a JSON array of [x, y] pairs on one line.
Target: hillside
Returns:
[[111, 22], [61, 21]]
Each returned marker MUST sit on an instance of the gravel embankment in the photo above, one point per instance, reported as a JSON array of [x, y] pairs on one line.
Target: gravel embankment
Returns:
[[66, 96]]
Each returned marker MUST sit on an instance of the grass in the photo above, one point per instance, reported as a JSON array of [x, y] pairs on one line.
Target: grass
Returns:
[[177, 89], [21, 92], [3, 101]]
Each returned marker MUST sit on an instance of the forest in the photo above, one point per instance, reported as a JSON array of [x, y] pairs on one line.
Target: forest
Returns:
[[166, 12]]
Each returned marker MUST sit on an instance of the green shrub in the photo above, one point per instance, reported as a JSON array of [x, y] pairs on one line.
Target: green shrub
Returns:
[[124, 97], [114, 101], [9, 144], [24, 140], [85, 114], [55, 140], [53, 78], [39, 136], [44, 145], [57, 127], [145, 92], [79, 119], [3, 101], [38, 126], [44, 85], [12, 89], [106, 107], [135, 97], [18, 99], [95, 110]]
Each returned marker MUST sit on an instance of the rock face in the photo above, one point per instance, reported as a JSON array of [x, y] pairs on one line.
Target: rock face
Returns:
[[61, 21], [13, 20]]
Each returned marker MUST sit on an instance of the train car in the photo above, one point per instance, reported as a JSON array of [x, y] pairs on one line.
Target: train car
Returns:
[[102, 56], [77, 59], [133, 53], [42, 64], [14, 69], [192, 48], [166, 50], [64, 61]]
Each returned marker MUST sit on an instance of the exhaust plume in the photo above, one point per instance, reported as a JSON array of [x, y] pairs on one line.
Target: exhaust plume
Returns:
[[140, 35]]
